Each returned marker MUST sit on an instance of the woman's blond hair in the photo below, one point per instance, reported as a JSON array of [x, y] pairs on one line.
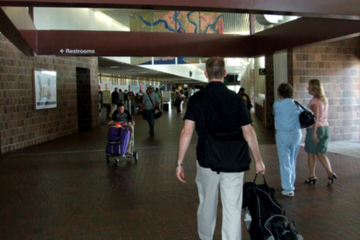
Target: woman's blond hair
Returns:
[[316, 87]]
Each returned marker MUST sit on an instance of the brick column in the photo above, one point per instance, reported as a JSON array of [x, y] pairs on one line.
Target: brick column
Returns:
[[269, 94]]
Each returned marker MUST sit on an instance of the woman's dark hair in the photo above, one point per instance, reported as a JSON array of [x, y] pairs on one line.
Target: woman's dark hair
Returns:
[[285, 90]]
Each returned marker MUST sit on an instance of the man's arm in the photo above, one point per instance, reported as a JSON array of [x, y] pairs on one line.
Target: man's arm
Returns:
[[184, 142], [250, 137]]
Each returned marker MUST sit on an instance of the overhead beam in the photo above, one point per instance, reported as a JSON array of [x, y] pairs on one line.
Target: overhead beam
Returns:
[[293, 34], [302, 32], [303, 7], [11, 21], [103, 43]]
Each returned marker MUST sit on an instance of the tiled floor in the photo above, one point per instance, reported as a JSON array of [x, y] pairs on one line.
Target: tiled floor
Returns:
[[65, 190]]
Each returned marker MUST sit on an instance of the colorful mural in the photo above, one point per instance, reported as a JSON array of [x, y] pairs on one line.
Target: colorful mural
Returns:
[[180, 22], [187, 22], [141, 61], [164, 60], [164, 21], [212, 23], [140, 22]]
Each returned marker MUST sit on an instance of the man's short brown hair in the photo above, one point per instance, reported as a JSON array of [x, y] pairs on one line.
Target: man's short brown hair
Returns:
[[215, 68]]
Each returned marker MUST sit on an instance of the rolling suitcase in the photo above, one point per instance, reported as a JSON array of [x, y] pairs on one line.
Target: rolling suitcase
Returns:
[[264, 217], [118, 141]]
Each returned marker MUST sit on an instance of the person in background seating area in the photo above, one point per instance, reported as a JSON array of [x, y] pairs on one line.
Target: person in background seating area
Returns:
[[246, 98], [115, 99], [131, 93], [179, 101]]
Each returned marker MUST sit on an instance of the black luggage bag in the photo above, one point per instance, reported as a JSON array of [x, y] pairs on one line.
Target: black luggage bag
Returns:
[[264, 217]]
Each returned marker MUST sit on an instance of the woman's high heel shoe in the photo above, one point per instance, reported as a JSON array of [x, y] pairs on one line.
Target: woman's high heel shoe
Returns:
[[311, 180], [331, 179]]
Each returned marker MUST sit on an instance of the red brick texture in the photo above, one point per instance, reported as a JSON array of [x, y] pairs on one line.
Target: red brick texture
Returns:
[[20, 124]]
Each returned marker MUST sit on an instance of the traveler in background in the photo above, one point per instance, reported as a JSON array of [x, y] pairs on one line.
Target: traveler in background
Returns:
[[246, 98], [179, 101], [317, 136], [131, 93], [214, 103], [158, 92], [150, 102], [115, 99], [288, 136]]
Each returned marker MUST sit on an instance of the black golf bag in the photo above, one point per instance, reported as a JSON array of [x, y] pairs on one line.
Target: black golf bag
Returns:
[[264, 217]]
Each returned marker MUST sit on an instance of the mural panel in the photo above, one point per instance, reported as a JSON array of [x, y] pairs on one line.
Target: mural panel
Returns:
[[211, 23]]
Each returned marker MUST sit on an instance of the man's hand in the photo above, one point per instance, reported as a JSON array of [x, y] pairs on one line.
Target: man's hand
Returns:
[[260, 168], [179, 173]]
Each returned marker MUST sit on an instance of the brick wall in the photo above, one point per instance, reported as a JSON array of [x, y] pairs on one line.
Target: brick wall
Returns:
[[22, 126], [337, 66]]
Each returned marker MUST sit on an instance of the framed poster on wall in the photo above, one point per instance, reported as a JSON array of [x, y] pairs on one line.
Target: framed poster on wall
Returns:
[[45, 90]]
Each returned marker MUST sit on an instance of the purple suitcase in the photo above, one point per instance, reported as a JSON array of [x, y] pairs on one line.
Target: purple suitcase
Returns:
[[114, 134], [118, 141]]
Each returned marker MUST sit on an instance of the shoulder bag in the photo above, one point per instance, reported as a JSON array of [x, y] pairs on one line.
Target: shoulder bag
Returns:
[[306, 117]]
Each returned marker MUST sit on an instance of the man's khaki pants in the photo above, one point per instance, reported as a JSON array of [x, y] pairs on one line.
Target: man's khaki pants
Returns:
[[231, 185]]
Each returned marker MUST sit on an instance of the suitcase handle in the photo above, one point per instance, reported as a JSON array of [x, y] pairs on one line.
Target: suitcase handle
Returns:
[[263, 178]]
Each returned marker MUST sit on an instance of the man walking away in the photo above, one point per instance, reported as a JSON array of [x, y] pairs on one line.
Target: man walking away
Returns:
[[223, 125]]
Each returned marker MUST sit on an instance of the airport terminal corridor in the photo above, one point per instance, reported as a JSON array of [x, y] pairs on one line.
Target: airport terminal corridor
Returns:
[[64, 189]]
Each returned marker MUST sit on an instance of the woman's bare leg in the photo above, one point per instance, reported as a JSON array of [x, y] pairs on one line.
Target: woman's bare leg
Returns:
[[324, 160], [312, 164]]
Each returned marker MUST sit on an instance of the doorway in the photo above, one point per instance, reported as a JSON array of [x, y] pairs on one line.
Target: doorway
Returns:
[[83, 88]]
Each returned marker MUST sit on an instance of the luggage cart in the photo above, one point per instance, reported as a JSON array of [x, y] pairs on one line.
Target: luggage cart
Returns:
[[115, 146]]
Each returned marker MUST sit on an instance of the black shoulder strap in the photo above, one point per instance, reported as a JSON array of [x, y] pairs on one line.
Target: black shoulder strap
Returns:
[[301, 106], [150, 99]]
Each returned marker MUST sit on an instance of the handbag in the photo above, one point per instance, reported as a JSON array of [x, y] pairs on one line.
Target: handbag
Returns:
[[306, 117], [157, 112]]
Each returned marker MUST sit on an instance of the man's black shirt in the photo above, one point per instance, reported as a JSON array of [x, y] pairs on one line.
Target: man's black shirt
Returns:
[[217, 110]]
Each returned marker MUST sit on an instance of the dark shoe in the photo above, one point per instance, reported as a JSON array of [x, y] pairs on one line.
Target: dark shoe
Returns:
[[331, 179], [311, 180]]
